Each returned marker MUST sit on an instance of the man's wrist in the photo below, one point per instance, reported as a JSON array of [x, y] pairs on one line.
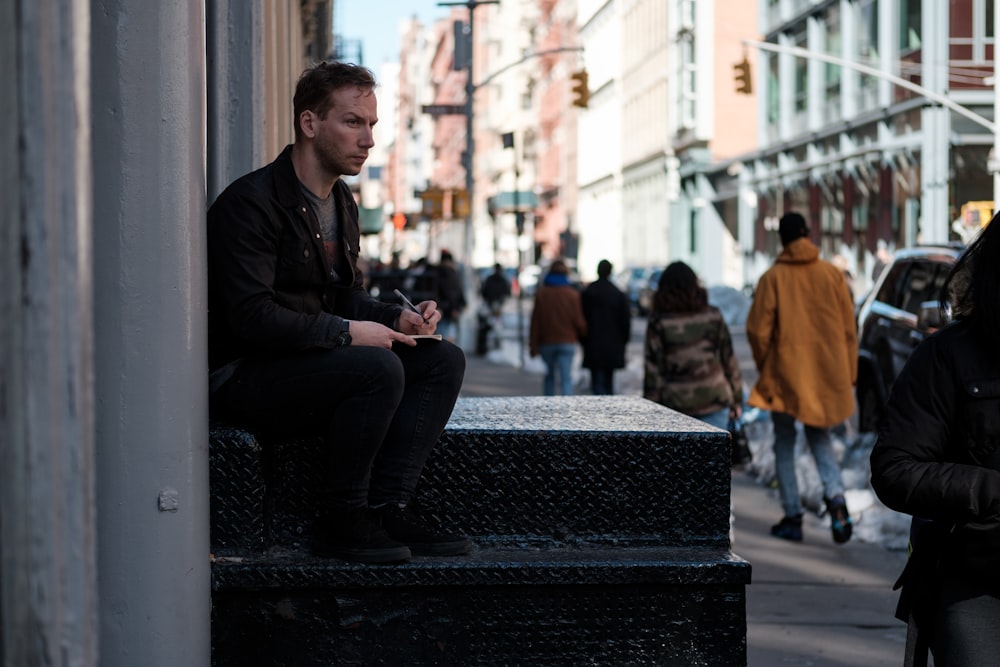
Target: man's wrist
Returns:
[[344, 337]]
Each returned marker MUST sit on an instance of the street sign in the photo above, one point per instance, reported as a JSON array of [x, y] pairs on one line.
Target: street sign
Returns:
[[444, 109]]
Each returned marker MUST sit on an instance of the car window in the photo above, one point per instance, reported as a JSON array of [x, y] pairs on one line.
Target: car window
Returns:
[[892, 286], [919, 283], [940, 276], [923, 283]]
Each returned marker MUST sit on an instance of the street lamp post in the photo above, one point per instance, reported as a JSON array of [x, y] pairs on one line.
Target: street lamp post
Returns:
[[470, 140], [469, 156], [508, 142]]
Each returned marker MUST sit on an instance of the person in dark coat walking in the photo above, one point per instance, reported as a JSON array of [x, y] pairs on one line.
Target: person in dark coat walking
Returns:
[[495, 290], [450, 296], [609, 325]]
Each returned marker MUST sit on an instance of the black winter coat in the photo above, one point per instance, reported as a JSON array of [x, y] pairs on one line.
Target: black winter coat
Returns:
[[269, 284], [938, 452], [609, 325]]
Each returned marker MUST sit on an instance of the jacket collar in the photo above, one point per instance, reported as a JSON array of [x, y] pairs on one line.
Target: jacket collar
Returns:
[[799, 251], [286, 183]]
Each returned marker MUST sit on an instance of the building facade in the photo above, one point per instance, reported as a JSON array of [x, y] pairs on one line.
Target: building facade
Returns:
[[872, 162]]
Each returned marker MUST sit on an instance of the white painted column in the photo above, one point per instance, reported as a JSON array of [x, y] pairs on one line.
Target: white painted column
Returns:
[[48, 571], [148, 98], [936, 123]]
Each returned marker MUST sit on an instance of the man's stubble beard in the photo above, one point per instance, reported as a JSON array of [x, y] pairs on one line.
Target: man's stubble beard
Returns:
[[325, 157]]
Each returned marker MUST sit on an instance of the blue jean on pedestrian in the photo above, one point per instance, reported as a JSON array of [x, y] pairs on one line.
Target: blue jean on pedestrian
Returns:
[[784, 461], [558, 358], [381, 411], [718, 419]]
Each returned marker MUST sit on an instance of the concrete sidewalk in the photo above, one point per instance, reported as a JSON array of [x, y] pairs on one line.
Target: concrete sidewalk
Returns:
[[816, 603]]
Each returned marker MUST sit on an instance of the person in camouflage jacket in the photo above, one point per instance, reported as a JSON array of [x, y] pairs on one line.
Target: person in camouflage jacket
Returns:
[[689, 361]]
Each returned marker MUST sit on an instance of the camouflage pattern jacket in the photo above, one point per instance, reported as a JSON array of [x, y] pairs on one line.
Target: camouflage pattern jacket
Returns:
[[690, 365]]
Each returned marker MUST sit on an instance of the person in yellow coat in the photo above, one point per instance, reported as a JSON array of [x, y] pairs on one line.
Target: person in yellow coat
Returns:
[[802, 332]]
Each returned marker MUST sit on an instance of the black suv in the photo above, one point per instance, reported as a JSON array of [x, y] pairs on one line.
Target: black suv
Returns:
[[901, 309]]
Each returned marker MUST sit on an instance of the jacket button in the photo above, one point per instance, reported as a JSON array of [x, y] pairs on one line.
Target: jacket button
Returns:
[[975, 390], [306, 253], [317, 236]]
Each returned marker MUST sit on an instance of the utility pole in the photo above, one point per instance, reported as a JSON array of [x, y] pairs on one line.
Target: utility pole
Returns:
[[468, 50], [470, 139]]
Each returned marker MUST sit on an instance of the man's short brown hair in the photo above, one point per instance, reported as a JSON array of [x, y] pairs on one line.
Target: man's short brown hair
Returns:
[[313, 90]]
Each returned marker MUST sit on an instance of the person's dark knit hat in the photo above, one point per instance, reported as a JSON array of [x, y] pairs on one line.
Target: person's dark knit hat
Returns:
[[792, 226], [559, 267]]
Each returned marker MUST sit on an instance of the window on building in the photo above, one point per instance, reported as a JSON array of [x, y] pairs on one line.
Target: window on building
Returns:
[[833, 72], [909, 25], [688, 79], [831, 216], [867, 19], [773, 91], [693, 220], [687, 15], [970, 39], [528, 96], [801, 74]]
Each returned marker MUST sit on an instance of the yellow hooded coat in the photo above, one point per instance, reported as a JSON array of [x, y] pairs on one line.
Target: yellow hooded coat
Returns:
[[802, 331]]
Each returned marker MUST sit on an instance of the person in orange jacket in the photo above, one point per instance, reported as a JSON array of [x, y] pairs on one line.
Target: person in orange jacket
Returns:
[[803, 336]]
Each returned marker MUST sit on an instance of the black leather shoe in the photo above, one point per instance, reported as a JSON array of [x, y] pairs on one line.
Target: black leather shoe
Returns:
[[355, 534], [405, 526]]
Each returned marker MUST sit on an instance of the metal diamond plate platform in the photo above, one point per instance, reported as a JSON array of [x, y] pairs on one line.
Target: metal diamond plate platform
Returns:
[[601, 528]]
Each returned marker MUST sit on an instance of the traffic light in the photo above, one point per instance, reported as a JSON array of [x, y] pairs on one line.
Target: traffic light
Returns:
[[581, 93], [744, 79]]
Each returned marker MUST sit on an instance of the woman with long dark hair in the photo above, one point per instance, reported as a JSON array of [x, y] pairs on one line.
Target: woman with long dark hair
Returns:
[[689, 360], [937, 458]]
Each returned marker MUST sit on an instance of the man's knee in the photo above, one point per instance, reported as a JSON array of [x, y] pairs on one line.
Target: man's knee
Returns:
[[385, 365]]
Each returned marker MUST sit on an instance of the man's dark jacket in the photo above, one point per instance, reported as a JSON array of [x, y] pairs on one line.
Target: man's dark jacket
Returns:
[[609, 325], [269, 285]]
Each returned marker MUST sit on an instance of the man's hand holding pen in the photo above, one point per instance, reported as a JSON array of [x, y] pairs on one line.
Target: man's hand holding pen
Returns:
[[421, 318]]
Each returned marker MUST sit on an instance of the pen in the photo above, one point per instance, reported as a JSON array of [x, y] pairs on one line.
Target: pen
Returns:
[[409, 304]]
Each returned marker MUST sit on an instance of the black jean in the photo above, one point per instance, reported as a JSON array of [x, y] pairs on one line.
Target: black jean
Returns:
[[602, 381], [381, 411], [964, 627]]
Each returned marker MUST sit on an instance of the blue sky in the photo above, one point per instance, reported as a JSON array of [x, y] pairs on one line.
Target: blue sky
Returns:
[[376, 24]]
